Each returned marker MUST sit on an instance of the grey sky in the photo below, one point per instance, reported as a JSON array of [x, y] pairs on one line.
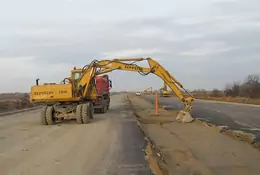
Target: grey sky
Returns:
[[203, 43]]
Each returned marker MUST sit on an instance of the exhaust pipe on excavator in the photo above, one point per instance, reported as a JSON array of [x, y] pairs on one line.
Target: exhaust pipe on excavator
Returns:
[[37, 81]]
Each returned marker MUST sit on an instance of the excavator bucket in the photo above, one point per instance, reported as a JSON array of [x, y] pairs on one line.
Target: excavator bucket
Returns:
[[184, 117]]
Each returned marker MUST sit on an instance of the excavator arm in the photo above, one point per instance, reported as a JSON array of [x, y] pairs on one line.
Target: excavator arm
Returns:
[[105, 66], [85, 85]]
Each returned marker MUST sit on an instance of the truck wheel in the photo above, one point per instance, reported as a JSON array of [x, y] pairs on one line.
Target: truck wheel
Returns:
[[85, 113], [96, 110], [103, 109], [91, 111], [50, 115], [108, 104], [78, 114], [43, 116]]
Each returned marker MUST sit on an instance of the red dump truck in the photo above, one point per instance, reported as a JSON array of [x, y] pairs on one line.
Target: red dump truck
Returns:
[[103, 86]]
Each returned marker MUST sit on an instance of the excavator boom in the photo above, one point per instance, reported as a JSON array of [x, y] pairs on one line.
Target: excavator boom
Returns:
[[129, 64], [79, 97]]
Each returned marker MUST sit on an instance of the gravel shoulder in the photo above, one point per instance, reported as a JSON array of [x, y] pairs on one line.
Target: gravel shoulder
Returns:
[[194, 148]]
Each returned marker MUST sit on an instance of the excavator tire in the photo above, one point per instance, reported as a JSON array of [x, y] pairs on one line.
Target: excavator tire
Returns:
[[91, 111], [49, 115], [78, 113], [85, 115], [97, 110], [103, 109], [43, 116], [108, 105]]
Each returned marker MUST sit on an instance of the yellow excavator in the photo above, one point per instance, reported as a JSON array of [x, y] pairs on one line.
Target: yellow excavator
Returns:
[[76, 95], [148, 90], [164, 91]]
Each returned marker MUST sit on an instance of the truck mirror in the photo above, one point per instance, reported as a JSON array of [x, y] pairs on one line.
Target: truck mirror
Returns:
[[110, 83]]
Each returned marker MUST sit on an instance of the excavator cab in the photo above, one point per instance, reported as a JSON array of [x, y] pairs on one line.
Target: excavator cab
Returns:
[[76, 75]]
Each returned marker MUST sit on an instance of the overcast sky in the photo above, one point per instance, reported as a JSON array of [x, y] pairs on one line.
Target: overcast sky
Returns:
[[202, 43]]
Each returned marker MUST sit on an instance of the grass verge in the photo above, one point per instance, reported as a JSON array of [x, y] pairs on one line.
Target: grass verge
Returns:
[[232, 99]]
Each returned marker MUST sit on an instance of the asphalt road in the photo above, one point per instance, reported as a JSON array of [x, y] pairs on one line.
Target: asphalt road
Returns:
[[111, 145], [241, 117]]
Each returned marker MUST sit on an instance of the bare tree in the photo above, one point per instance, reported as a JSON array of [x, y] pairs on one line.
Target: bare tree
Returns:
[[216, 93], [252, 86], [232, 90]]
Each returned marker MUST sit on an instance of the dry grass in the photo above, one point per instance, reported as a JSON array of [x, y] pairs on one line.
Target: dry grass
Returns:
[[14, 101], [226, 99], [231, 99]]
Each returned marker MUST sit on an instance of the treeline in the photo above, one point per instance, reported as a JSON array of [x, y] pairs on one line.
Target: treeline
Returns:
[[249, 88]]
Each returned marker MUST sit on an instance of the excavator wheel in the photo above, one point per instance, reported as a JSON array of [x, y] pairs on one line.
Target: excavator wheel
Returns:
[[108, 105], [103, 109], [50, 115], [78, 113], [85, 113], [96, 110], [43, 116]]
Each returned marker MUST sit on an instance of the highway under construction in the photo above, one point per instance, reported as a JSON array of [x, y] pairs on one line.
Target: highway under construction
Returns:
[[117, 143], [79, 127]]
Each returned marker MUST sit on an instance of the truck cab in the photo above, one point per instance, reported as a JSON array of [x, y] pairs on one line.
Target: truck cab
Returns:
[[102, 85]]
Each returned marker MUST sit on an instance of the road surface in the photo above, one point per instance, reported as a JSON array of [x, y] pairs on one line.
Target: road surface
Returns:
[[112, 144], [241, 117]]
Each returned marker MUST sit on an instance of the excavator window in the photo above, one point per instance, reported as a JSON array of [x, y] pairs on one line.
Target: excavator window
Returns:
[[77, 75]]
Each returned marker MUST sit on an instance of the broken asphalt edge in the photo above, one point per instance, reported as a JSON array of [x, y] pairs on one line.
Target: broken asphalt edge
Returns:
[[234, 134], [153, 153]]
